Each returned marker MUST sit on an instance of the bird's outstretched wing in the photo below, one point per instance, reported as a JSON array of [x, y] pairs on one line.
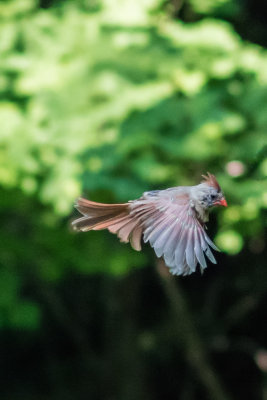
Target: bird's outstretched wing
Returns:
[[172, 228]]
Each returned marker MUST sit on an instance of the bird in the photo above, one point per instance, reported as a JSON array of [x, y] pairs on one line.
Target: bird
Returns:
[[172, 220]]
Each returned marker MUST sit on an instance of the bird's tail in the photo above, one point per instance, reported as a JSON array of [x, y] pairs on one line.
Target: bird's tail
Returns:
[[114, 217]]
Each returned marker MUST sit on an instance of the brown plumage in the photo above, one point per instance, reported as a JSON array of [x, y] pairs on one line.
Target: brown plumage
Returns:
[[171, 220]]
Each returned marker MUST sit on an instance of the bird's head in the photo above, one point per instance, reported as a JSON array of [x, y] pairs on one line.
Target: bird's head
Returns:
[[208, 193]]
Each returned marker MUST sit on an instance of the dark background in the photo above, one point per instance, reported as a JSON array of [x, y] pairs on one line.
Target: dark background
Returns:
[[108, 100]]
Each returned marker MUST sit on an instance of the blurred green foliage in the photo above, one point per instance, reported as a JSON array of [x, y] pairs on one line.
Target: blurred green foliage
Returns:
[[120, 99], [109, 99], [128, 103]]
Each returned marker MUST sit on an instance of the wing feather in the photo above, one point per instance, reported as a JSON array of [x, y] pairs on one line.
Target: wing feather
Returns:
[[206, 248], [189, 252], [135, 237], [210, 243], [158, 230], [165, 236], [198, 249], [169, 250], [174, 231]]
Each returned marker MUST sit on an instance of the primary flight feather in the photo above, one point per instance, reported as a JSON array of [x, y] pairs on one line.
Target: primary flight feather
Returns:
[[171, 220]]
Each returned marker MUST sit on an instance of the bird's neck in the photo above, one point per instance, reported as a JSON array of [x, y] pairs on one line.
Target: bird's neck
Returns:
[[197, 194], [203, 213]]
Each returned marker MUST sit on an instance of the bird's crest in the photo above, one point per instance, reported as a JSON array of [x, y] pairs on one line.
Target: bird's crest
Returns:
[[211, 180]]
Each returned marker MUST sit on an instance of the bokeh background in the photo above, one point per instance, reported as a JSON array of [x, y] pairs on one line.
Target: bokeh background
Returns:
[[110, 98]]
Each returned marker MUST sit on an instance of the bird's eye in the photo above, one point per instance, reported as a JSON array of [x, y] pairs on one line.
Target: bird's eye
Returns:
[[213, 196]]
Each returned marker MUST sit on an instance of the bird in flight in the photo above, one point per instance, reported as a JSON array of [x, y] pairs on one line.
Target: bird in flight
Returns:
[[171, 220]]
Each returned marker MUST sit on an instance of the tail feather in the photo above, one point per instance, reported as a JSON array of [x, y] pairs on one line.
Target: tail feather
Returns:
[[108, 220], [92, 208], [117, 218], [87, 223]]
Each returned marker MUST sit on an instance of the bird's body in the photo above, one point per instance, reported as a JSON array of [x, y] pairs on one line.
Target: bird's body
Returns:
[[171, 220]]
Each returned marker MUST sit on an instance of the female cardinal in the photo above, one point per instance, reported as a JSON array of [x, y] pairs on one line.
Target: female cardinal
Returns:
[[171, 220]]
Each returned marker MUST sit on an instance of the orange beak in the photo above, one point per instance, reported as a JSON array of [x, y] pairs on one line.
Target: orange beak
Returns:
[[223, 203]]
